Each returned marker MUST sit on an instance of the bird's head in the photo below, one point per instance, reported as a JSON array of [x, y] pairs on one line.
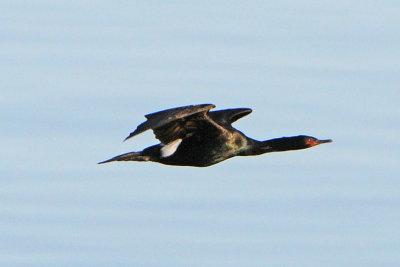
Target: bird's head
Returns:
[[305, 141], [289, 143]]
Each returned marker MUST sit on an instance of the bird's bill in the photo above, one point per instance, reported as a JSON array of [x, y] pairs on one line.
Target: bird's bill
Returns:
[[324, 141]]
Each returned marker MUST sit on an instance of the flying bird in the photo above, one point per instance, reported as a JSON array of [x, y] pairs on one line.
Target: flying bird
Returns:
[[195, 136]]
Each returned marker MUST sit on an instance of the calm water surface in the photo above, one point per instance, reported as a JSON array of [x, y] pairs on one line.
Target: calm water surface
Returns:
[[78, 77]]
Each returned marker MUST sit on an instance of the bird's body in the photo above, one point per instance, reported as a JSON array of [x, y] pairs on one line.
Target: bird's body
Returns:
[[195, 136], [202, 152]]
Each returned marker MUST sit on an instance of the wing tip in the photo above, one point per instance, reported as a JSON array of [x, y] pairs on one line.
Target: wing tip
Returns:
[[132, 134], [129, 136]]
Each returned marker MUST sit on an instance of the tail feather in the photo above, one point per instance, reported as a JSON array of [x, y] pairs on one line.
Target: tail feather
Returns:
[[131, 156]]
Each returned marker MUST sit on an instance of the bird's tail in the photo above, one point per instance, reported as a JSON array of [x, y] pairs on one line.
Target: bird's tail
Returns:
[[131, 156]]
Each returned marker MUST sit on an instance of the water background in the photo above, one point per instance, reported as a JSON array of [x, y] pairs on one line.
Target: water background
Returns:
[[78, 76]]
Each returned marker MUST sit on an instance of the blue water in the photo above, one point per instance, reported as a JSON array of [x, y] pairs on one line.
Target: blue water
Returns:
[[77, 78]]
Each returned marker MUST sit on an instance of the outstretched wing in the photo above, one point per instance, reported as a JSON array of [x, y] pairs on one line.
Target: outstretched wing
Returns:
[[228, 116], [178, 123]]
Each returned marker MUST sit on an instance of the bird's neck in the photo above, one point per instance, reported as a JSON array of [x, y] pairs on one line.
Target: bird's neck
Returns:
[[273, 145]]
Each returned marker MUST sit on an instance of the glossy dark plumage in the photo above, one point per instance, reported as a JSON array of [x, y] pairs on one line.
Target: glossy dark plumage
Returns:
[[196, 136]]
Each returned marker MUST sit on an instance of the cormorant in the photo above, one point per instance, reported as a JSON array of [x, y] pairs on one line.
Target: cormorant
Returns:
[[195, 136]]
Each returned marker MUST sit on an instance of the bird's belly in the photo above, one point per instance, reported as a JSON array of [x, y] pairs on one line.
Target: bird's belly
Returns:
[[227, 149], [205, 152]]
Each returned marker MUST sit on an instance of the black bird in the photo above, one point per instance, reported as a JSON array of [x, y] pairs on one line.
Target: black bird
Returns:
[[196, 136]]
